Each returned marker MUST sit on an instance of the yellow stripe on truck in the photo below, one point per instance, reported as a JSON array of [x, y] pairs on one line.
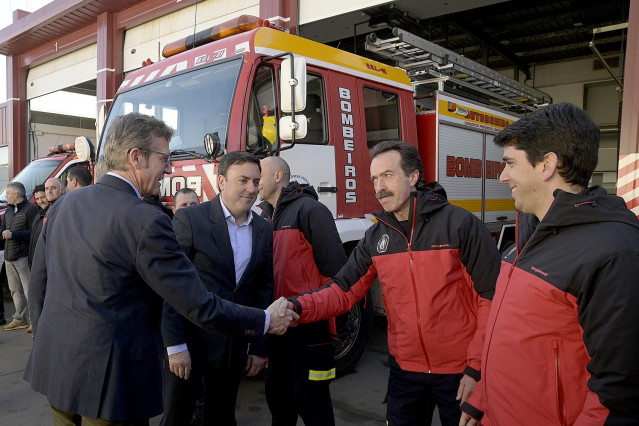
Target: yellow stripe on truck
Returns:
[[492, 205], [317, 375], [284, 42]]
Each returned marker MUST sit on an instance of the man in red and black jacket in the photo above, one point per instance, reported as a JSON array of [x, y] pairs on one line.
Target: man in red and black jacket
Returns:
[[307, 253], [562, 342], [437, 265]]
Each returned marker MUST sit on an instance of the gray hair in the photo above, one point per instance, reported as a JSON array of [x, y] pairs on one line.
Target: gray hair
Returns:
[[100, 168], [133, 130], [18, 187]]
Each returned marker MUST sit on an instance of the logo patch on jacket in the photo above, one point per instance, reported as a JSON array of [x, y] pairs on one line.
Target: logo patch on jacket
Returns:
[[382, 244]]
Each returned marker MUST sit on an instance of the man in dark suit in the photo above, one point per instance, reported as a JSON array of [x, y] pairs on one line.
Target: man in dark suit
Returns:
[[232, 251], [96, 313]]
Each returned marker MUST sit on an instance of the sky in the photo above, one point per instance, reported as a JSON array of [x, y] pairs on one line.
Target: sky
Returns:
[[58, 102]]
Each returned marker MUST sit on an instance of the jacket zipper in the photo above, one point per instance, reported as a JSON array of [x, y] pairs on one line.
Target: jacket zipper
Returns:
[[561, 406], [409, 250]]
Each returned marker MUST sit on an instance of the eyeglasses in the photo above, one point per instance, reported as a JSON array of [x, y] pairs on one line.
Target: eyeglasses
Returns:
[[164, 154]]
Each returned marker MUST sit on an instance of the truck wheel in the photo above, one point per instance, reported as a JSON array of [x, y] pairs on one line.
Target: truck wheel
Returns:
[[353, 331]]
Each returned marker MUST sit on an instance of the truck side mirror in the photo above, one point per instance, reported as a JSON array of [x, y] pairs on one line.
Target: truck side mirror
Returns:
[[288, 126], [212, 145], [293, 85]]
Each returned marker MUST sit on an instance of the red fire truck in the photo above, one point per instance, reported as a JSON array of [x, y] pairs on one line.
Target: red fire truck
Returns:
[[243, 85]]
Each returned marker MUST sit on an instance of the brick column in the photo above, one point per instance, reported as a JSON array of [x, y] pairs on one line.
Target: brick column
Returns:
[[16, 115], [628, 180], [109, 61]]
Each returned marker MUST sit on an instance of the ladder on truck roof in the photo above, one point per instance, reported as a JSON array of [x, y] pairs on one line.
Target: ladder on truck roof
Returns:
[[427, 63]]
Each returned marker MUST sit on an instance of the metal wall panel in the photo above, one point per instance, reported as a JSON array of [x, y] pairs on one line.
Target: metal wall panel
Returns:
[[73, 68]]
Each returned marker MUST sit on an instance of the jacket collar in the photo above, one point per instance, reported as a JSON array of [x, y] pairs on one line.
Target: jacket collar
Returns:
[[118, 183], [430, 198]]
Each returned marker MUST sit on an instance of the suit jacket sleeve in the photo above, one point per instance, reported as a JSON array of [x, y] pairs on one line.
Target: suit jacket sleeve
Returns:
[[167, 270], [172, 325], [265, 291]]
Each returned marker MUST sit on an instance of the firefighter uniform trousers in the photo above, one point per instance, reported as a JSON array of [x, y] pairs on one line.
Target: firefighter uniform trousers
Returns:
[[300, 369]]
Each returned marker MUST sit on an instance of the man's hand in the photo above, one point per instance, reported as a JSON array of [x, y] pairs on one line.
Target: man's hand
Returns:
[[180, 364], [466, 420], [7, 234], [254, 365], [466, 388], [282, 315]]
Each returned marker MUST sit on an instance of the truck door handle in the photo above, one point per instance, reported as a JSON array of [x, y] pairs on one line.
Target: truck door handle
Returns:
[[332, 189]]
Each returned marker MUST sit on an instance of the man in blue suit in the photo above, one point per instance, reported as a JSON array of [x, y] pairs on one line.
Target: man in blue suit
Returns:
[[232, 251], [96, 311]]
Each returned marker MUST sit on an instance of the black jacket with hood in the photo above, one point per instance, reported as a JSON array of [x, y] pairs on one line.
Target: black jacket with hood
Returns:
[[307, 250]]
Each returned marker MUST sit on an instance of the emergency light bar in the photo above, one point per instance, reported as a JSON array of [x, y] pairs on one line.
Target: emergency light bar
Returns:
[[231, 27], [59, 149]]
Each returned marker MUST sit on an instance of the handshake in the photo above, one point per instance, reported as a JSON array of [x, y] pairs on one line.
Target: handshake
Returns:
[[282, 315]]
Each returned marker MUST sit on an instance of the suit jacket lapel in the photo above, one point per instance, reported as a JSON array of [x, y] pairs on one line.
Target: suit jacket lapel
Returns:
[[220, 234]]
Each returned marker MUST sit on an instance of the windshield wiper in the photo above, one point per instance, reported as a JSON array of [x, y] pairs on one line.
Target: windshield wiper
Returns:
[[190, 152]]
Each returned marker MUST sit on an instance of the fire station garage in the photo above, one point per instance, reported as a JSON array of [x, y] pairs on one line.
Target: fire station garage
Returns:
[[488, 60]]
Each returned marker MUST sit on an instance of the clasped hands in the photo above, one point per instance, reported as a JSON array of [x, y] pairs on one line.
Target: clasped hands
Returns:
[[282, 315]]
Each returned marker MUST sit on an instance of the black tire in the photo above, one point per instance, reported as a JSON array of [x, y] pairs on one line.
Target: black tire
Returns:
[[353, 331]]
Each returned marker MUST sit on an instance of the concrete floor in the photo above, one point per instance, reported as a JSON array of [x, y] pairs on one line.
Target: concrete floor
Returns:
[[357, 397]]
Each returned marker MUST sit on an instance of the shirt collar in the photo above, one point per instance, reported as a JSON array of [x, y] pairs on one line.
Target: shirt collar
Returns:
[[127, 181], [229, 217]]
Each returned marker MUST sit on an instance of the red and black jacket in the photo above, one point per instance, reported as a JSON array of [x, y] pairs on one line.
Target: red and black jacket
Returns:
[[307, 250], [562, 341], [437, 283]]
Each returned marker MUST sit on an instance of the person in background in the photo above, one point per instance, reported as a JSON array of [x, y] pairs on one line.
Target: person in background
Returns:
[[43, 206], [15, 229], [54, 188], [185, 197], [300, 363], [78, 177], [562, 342]]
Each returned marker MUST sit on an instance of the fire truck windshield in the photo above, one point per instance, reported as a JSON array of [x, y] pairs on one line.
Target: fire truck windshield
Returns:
[[193, 103], [34, 174]]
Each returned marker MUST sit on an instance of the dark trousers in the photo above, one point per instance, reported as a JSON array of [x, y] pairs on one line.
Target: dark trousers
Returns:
[[412, 397], [1, 300], [62, 418], [304, 352], [220, 396]]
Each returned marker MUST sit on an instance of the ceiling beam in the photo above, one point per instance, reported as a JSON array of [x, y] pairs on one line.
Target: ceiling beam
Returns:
[[493, 44]]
